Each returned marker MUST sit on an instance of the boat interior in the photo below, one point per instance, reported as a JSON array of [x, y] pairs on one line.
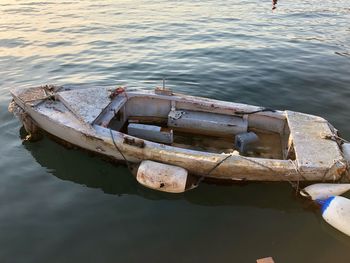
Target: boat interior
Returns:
[[200, 125]]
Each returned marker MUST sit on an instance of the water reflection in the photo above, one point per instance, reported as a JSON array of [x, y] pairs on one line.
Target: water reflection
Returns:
[[93, 172]]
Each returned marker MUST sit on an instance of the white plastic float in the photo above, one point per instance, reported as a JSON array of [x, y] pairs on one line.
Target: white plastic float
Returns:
[[324, 191], [335, 208], [336, 212], [162, 177]]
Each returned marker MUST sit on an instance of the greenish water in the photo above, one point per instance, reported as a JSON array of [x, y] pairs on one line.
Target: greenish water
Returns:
[[59, 205]]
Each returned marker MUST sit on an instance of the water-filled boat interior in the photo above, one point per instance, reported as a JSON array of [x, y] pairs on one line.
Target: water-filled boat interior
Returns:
[[200, 126]]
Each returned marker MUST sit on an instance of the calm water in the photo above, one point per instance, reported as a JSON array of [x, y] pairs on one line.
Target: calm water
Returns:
[[59, 205]]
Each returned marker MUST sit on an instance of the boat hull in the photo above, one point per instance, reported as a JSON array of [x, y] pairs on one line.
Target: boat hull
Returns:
[[55, 119]]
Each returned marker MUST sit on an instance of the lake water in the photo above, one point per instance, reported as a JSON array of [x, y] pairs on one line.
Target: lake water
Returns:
[[59, 205]]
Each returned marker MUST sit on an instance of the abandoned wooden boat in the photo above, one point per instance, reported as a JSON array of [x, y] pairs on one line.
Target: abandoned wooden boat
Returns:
[[172, 135]]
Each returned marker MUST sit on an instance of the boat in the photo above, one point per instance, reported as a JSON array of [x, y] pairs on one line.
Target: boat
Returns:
[[171, 137]]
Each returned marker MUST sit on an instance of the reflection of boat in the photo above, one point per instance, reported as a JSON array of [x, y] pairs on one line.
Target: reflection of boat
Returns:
[[85, 169], [205, 137]]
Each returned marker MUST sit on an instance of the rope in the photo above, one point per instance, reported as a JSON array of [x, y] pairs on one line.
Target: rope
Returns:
[[294, 185], [223, 160], [335, 137], [257, 111], [212, 169], [116, 146], [249, 160]]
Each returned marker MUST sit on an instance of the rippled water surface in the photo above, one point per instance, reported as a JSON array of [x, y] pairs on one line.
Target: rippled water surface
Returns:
[[59, 205]]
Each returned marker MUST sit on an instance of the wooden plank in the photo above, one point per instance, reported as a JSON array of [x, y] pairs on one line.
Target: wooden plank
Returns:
[[312, 150], [151, 133], [86, 104], [265, 260], [110, 111]]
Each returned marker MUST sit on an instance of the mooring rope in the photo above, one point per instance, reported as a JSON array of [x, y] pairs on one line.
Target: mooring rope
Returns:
[[335, 137], [257, 111], [295, 185], [212, 169], [121, 153]]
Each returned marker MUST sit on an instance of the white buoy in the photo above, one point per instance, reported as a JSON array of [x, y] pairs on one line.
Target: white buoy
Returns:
[[324, 191], [336, 212], [162, 177]]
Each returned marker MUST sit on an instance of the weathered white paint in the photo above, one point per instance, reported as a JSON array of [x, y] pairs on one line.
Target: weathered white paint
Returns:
[[155, 106], [267, 122], [162, 177], [87, 104], [110, 111], [336, 212], [33, 96], [323, 191], [312, 149]]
